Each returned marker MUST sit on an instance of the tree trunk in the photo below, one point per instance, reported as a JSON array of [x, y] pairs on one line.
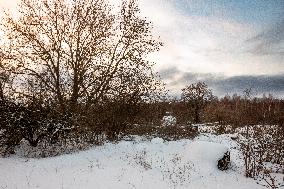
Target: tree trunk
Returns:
[[1, 93], [196, 115], [75, 93]]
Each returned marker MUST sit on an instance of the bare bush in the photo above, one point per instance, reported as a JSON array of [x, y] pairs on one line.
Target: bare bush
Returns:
[[262, 148], [196, 97]]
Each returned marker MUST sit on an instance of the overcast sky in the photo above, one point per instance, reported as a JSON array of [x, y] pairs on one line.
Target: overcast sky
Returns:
[[230, 44]]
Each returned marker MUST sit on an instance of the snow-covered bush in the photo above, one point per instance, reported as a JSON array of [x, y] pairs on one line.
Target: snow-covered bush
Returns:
[[32, 122], [169, 120], [69, 143], [262, 148]]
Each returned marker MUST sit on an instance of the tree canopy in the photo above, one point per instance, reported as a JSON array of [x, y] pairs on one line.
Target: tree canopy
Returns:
[[81, 51]]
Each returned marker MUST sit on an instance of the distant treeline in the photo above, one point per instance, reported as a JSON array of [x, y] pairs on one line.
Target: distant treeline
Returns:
[[234, 110]]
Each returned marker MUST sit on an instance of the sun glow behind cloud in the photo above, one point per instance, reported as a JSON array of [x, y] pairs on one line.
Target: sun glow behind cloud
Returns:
[[8, 4]]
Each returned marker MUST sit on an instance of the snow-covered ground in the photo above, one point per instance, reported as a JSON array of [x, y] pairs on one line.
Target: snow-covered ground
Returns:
[[132, 164]]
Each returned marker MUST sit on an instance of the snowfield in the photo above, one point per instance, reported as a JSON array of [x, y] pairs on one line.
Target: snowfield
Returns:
[[139, 164]]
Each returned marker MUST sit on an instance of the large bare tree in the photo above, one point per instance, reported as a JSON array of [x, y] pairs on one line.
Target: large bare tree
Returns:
[[82, 51]]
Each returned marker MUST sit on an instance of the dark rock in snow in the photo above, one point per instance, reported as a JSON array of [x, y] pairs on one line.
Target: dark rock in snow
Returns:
[[224, 162]]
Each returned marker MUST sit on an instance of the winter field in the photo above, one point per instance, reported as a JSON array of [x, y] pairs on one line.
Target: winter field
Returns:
[[98, 94], [135, 163]]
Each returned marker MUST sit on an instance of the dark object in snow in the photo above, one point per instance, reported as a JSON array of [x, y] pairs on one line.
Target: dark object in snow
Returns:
[[195, 128], [224, 162]]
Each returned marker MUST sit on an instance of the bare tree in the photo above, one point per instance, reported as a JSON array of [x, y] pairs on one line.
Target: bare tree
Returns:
[[2, 77], [196, 96], [5, 76], [82, 51]]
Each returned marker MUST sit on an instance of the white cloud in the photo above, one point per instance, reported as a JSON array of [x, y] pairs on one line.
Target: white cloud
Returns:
[[205, 44]]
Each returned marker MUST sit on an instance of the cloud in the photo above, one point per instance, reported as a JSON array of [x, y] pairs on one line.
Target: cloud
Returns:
[[270, 41], [205, 44], [215, 50], [222, 85], [259, 84]]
